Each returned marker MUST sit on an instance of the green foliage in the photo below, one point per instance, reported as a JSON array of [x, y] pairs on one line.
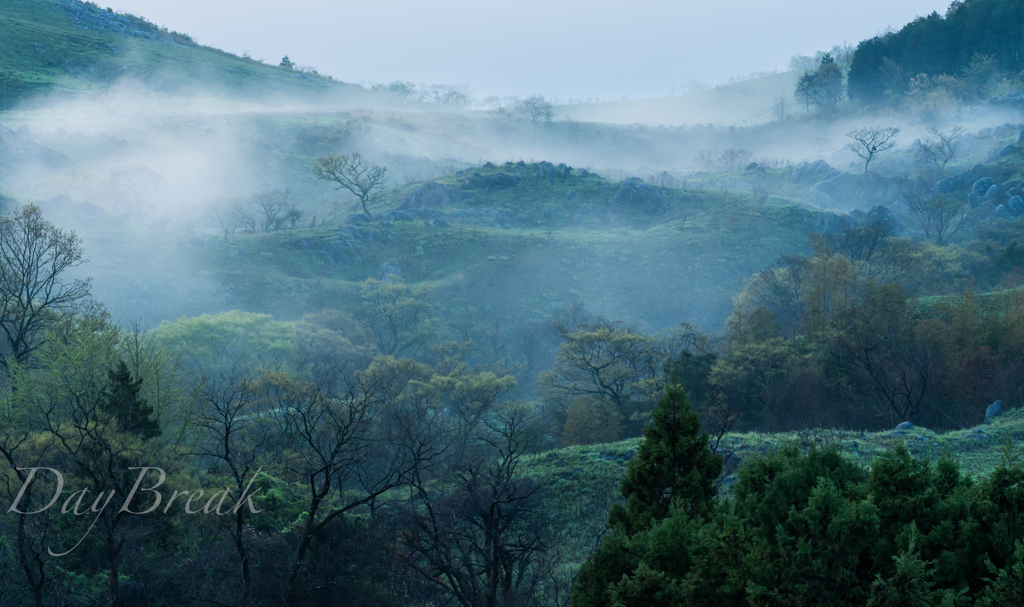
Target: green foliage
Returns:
[[123, 401], [674, 468], [236, 338]]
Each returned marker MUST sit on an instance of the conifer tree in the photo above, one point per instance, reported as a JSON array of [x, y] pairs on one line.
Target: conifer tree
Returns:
[[673, 467], [123, 401]]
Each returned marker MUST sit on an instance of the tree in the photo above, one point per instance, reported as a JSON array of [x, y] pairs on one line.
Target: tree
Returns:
[[780, 109], [34, 257], [673, 469], [273, 208], [482, 541], [868, 142], [822, 88], [287, 63], [939, 216], [399, 318], [939, 149], [134, 187], [353, 173], [123, 401], [536, 109]]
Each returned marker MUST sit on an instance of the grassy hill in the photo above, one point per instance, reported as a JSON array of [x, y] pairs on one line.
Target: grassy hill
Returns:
[[69, 46]]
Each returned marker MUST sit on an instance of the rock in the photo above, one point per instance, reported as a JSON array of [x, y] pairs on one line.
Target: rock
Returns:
[[1001, 212], [386, 271], [751, 166], [994, 410], [504, 180], [1015, 206], [1020, 137], [430, 194], [636, 194], [1008, 150], [905, 426], [820, 199], [441, 221], [859, 190], [570, 194], [807, 170], [982, 185], [564, 171], [950, 184], [973, 199], [883, 217], [992, 192]]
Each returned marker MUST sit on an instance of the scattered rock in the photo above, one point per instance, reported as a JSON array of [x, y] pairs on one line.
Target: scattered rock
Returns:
[[994, 410], [636, 194], [570, 194], [807, 170], [858, 189], [1002, 153], [1016, 206], [992, 192], [430, 194], [504, 180], [905, 426], [973, 199], [1001, 212], [951, 184]]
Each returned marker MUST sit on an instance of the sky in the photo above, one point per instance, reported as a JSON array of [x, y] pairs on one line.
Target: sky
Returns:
[[561, 49]]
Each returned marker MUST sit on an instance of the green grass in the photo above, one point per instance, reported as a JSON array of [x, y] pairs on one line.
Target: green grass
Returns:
[[45, 50], [681, 265]]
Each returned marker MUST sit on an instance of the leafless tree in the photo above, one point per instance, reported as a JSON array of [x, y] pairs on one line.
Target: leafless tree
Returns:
[[939, 216], [504, 119], [536, 109], [477, 532], [273, 207], [734, 158], [822, 145], [34, 257], [780, 109], [870, 141], [134, 188], [939, 149], [353, 173]]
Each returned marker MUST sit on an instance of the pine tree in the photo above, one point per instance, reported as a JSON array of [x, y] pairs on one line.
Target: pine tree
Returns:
[[122, 400], [673, 467]]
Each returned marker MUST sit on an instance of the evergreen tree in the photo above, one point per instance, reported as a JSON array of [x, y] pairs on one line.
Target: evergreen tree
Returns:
[[123, 401], [673, 467]]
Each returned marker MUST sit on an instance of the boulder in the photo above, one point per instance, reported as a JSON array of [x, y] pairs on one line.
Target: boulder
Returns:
[[951, 184], [386, 270], [636, 194], [1015, 206], [992, 192], [994, 410], [1001, 212], [1002, 153], [570, 194], [504, 180], [564, 170], [905, 426], [973, 199], [807, 170], [860, 190], [751, 166], [430, 194], [982, 185]]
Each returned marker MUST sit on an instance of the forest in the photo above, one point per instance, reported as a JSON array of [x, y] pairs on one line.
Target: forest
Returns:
[[270, 338]]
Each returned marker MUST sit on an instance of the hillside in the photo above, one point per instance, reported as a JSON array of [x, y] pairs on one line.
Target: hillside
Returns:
[[68, 46], [743, 103]]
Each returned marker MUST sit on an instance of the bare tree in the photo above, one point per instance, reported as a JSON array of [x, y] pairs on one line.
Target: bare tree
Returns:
[[870, 141], [353, 173], [941, 147], [822, 145], [504, 119], [482, 541], [939, 216], [734, 158], [273, 208], [134, 188], [34, 257], [780, 109], [536, 109]]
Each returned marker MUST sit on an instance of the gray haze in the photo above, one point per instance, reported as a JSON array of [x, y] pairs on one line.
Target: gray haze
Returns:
[[573, 48]]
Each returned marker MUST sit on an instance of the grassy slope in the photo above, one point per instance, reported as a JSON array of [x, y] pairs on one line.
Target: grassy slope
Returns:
[[742, 103], [585, 479], [45, 50], [679, 266]]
